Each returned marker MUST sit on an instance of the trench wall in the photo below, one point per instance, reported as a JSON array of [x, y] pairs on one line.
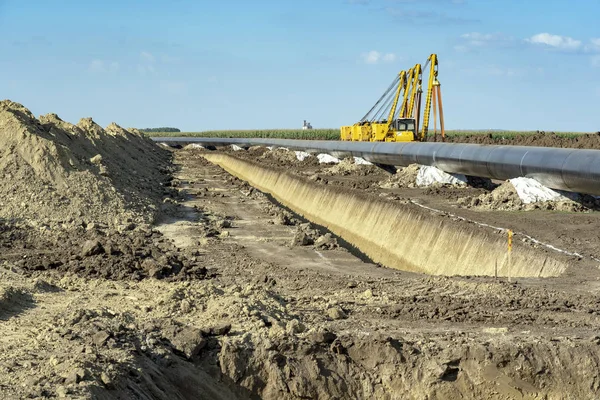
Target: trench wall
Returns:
[[396, 235]]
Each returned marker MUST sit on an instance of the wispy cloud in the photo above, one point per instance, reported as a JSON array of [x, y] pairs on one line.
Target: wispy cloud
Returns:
[[476, 40], [594, 45], [454, 2], [375, 57], [173, 87], [427, 17], [102, 66], [419, 12], [501, 71], [147, 57], [146, 64], [555, 42]]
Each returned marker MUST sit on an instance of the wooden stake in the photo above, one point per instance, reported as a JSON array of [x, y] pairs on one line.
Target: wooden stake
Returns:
[[496, 269], [510, 241]]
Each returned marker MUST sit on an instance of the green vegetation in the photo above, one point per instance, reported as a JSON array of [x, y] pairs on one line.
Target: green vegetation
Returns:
[[334, 134], [309, 134], [163, 129]]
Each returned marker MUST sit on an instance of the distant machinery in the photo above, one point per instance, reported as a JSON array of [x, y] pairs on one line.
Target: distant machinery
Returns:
[[306, 125], [396, 115]]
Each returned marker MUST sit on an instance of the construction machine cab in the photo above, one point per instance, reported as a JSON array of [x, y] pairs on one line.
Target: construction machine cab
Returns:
[[404, 130]]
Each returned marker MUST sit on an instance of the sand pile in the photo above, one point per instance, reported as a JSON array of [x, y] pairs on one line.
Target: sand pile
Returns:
[[404, 177], [506, 198], [56, 174], [348, 166], [280, 154], [283, 157]]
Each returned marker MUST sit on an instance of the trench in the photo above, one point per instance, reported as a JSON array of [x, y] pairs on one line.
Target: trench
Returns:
[[396, 235]]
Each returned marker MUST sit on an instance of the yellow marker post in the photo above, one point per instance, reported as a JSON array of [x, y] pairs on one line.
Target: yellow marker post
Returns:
[[510, 243]]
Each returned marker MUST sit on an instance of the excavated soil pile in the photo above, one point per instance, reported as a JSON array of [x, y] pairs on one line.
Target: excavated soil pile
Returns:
[[80, 198], [275, 156], [60, 175], [284, 157], [550, 139], [99, 252], [404, 177], [506, 198], [348, 166]]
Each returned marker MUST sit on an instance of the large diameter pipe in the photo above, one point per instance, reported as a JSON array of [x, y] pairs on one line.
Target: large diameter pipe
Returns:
[[574, 170]]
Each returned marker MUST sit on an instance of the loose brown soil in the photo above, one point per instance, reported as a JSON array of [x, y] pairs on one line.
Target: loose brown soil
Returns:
[[543, 139]]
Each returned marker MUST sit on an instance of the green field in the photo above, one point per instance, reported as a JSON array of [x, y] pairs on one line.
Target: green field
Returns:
[[312, 134], [334, 134]]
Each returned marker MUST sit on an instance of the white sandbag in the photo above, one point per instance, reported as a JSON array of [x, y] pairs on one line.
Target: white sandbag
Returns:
[[235, 147], [327, 159], [301, 155], [194, 146], [428, 175], [361, 161], [531, 191]]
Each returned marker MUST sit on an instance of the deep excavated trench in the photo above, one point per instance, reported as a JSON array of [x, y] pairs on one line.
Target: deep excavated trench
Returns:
[[399, 236]]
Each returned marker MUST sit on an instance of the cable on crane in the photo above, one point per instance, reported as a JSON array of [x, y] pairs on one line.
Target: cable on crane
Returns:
[[393, 85]]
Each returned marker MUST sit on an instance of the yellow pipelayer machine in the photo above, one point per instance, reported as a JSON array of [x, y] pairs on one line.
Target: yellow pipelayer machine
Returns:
[[402, 123]]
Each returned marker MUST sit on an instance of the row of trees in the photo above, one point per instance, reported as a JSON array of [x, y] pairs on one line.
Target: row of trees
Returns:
[[163, 129]]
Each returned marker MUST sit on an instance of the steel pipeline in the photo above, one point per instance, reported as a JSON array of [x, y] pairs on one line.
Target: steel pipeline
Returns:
[[574, 170]]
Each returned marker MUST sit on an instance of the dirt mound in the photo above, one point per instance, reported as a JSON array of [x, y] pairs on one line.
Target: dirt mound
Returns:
[[306, 235], [549, 139], [348, 166], [12, 300], [280, 157], [58, 174], [506, 198], [404, 177]]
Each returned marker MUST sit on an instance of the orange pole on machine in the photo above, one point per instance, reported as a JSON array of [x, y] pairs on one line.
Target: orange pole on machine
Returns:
[[434, 98], [439, 97]]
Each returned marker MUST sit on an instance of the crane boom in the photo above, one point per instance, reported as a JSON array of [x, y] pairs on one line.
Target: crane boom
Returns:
[[407, 83], [401, 85], [416, 87], [433, 72]]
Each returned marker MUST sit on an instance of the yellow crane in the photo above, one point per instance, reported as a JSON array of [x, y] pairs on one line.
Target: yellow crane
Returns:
[[402, 123]]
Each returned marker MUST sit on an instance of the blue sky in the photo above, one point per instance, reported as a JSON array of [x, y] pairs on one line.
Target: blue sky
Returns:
[[201, 65]]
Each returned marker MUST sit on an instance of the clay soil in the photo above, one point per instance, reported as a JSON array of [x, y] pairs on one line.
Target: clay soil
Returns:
[[202, 287], [543, 139]]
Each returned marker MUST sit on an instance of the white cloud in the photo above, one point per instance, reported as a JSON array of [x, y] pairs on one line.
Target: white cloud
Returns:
[[500, 71], [555, 41], [146, 65], [167, 59], [371, 57], [173, 87], [113, 66], [146, 69], [596, 61], [97, 66], [594, 45], [374, 57], [101, 66], [148, 57], [476, 40]]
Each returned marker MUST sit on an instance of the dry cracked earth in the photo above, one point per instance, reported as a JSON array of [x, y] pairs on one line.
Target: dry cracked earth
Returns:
[[199, 286]]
